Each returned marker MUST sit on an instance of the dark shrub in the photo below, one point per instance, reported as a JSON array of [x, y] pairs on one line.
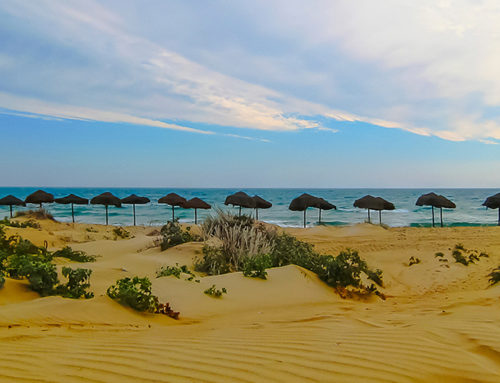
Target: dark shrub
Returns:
[[77, 285], [134, 292], [74, 255], [255, 267], [494, 276], [174, 235]]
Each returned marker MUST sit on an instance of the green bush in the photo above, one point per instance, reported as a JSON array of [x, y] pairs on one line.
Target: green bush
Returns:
[[134, 292], [29, 223], [74, 255], [77, 285], [214, 261], [174, 235], [289, 250], [494, 276], [255, 267], [215, 292], [40, 273]]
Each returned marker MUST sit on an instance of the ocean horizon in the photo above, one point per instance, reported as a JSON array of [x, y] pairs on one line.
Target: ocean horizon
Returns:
[[469, 211]]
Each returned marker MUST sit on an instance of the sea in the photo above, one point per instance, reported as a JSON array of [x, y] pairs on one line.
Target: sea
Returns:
[[469, 211]]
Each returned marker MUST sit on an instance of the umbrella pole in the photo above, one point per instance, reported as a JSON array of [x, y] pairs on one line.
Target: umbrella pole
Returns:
[[498, 216], [369, 216], [11, 213], [432, 216], [239, 214], [304, 218], [173, 215], [441, 210], [72, 213], [320, 215], [195, 216], [106, 215], [133, 207], [380, 217]]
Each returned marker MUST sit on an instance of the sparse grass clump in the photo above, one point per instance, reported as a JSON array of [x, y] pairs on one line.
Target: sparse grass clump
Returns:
[[120, 232], [36, 214], [215, 292], [494, 276], [136, 293], [413, 261], [466, 256], [74, 255], [173, 235]]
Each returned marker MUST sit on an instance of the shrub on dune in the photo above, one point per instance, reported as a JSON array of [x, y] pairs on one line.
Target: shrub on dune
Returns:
[[173, 235]]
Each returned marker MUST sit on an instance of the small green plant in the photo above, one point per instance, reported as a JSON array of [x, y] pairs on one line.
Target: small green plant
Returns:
[[120, 232], [74, 255], [439, 254], [176, 271], [494, 276], [255, 267], [215, 292], [466, 256], [136, 293], [413, 261], [77, 285]]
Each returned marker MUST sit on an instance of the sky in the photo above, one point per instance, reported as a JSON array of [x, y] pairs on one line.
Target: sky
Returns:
[[262, 93]]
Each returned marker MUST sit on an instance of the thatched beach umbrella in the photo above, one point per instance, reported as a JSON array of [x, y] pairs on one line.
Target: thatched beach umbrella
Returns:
[[196, 203], [435, 200], [10, 200], [373, 203], [260, 203], [72, 199], [173, 200], [135, 200], [304, 201], [39, 197], [106, 199], [324, 205], [240, 199], [493, 202]]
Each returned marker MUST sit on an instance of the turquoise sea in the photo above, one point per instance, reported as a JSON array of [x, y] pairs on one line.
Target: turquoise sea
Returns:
[[469, 211]]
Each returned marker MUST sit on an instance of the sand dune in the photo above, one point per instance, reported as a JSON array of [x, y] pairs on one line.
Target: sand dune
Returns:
[[440, 321]]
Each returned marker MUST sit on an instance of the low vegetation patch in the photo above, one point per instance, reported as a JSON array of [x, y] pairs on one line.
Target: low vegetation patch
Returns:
[[466, 256], [20, 258], [74, 255], [136, 293], [494, 276], [36, 214], [252, 248], [120, 232], [29, 223], [173, 235], [176, 271], [213, 291], [413, 261]]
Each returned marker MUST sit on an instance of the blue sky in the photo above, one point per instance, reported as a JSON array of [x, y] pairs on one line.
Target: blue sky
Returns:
[[250, 94]]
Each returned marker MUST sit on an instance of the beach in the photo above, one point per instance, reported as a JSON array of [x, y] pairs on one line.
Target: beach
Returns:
[[439, 320]]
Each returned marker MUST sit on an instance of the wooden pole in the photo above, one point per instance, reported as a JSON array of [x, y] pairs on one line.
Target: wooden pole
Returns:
[[498, 216], [72, 213], [441, 210], [106, 215], [432, 216], [239, 214], [133, 207], [195, 216], [304, 218], [11, 213], [369, 216], [320, 215], [173, 217], [257, 214], [380, 217]]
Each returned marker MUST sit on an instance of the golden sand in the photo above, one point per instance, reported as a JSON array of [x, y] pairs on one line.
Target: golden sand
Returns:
[[439, 323]]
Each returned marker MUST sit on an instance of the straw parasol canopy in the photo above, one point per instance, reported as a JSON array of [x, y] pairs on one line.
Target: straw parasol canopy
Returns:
[[260, 203], [435, 200], [304, 201], [106, 199], [173, 200], [240, 199], [72, 199], [374, 203], [135, 200], [493, 202], [196, 203], [39, 197], [10, 201]]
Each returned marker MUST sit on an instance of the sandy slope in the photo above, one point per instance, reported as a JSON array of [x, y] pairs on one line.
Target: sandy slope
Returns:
[[439, 323]]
